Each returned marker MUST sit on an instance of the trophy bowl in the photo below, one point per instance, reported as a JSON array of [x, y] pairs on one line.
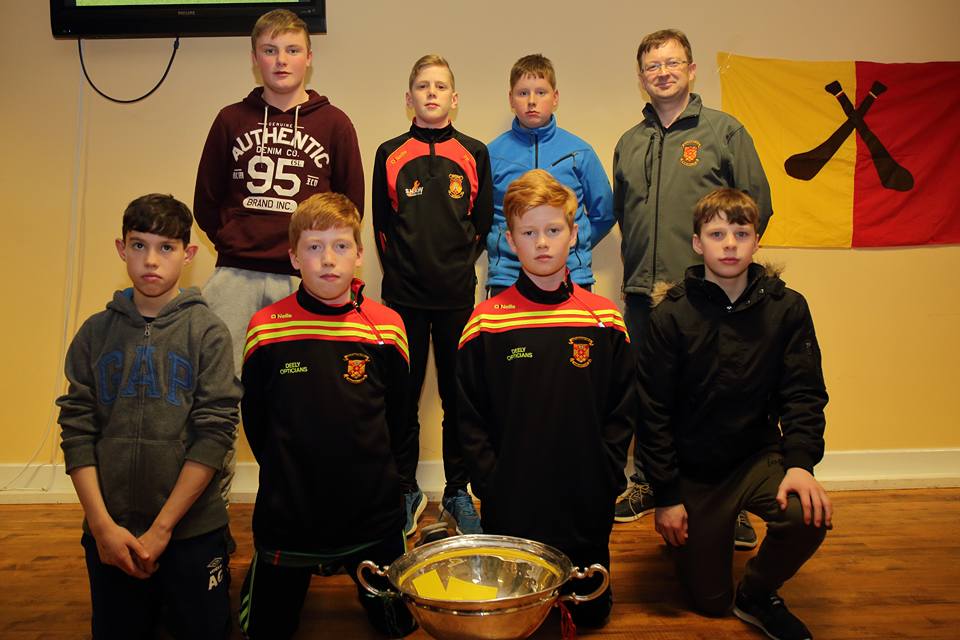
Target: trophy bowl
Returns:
[[482, 587]]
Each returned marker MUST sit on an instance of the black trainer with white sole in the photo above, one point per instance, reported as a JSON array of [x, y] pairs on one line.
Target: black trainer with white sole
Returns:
[[770, 615]]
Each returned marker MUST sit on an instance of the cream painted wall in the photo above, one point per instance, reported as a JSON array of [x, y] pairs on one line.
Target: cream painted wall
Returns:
[[887, 319]]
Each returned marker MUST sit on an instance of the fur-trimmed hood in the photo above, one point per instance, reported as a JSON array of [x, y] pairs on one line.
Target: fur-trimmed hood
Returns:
[[662, 288]]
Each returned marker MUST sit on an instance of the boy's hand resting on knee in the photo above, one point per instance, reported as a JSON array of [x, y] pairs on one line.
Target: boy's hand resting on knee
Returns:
[[671, 523], [817, 507]]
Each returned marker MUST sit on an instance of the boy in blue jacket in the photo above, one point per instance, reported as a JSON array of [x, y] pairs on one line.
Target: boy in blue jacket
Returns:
[[536, 142]]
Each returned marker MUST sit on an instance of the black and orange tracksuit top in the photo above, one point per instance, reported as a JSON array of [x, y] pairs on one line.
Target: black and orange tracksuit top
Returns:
[[547, 402], [324, 412], [432, 208]]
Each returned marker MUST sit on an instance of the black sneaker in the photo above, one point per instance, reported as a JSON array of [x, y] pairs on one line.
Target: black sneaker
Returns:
[[744, 537], [433, 532], [635, 503], [771, 615]]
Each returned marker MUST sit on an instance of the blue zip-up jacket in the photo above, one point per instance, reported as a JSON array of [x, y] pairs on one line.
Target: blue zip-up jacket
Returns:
[[571, 161]]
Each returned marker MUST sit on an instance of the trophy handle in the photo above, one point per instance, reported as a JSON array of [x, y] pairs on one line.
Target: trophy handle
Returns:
[[374, 569], [578, 574]]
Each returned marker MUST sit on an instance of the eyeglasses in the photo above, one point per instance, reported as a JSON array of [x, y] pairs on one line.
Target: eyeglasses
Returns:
[[669, 65]]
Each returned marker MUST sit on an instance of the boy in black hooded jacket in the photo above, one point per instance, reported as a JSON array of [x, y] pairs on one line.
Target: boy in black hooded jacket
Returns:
[[732, 418]]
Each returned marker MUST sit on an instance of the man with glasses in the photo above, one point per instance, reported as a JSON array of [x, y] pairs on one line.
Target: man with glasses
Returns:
[[678, 153]]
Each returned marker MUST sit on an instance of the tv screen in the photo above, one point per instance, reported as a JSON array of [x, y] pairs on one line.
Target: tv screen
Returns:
[[154, 18]]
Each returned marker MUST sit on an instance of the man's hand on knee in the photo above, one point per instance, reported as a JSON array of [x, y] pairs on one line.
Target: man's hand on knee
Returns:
[[817, 507], [671, 523]]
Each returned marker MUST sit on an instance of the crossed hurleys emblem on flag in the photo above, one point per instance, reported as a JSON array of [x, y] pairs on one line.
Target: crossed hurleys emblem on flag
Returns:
[[804, 166]]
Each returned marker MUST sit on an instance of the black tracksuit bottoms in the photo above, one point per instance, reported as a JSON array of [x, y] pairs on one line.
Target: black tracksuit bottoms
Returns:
[[189, 593], [445, 327], [705, 562]]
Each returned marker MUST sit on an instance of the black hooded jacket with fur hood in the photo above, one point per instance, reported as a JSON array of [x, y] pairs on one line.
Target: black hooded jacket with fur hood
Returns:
[[720, 381]]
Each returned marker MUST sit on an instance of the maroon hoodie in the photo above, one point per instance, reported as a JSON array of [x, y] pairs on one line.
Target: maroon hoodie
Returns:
[[258, 163]]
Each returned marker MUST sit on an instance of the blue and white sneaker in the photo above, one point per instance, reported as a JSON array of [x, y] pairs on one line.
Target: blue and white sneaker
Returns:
[[459, 511], [414, 502]]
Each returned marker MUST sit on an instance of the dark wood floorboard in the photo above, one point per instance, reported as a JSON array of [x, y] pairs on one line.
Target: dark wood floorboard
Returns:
[[889, 569]]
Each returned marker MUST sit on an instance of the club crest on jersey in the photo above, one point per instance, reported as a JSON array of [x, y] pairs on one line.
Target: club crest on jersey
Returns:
[[691, 153], [415, 190], [456, 186], [356, 367], [581, 351]]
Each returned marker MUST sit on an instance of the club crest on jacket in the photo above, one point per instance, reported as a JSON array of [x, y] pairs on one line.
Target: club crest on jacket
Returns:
[[356, 367], [456, 186], [691, 153], [581, 351]]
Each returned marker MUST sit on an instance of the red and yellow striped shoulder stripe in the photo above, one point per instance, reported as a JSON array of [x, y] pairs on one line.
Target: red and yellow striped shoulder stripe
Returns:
[[271, 332], [499, 322]]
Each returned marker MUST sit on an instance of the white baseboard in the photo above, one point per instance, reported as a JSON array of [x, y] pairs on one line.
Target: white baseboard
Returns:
[[839, 470], [890, 469]]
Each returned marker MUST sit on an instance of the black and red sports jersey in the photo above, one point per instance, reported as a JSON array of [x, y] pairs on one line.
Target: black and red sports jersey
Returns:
[[432, 209], [547, 405], [323, 410]]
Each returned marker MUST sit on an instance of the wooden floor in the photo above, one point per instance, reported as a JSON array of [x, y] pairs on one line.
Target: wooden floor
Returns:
[[889, 569]]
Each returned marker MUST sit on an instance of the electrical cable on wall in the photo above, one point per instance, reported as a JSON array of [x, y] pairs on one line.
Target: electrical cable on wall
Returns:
[[71, 304], [176, 45], [23, 480]]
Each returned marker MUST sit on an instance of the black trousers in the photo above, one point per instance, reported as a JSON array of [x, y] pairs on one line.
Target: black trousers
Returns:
[[636, 315], [444, 327], [272, 596], [191, 586], [705, 562]]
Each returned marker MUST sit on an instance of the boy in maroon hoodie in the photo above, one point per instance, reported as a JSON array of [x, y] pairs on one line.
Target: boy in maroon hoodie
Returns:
[[278, 146]]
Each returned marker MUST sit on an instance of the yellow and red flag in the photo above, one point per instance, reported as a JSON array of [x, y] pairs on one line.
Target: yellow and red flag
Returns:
[[858, 154]]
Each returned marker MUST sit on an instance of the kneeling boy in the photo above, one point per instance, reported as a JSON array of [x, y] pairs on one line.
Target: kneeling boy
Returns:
[[546, 386], [325, 378], [732, 418]]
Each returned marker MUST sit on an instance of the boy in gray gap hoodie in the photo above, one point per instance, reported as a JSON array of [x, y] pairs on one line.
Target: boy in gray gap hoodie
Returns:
[[150, 411]]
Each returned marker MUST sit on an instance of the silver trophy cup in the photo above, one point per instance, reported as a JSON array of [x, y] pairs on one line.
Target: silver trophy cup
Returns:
[[482, 587]]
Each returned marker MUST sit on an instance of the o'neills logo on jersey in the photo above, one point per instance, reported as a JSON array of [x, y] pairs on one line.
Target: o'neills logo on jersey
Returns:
[[356, 367], [691, 153], [581, 351], [415, 190], [456, 186]]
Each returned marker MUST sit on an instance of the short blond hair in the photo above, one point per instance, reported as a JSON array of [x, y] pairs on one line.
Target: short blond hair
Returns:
[[323, 211], [431, 60], [276, 22], [536, 188], [536, 65]]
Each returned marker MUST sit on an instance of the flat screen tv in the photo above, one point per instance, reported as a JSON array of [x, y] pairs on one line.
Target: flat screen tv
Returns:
[[155, 18]]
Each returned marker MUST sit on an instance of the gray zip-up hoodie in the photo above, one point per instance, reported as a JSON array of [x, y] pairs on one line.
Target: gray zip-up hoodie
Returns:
[[143, 398], [660, 174]]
